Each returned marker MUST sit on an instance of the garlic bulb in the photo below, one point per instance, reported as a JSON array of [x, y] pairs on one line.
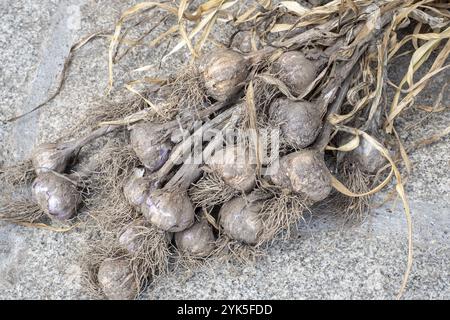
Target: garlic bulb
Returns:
[[116, 280], [304, 172], [295, 70], [223, 72], [240, 220], [236, 166], [136, 187], [56, 195], [370, 160], [169, 211], [198, 240], [148, 145], [51, 157], [300, 121]]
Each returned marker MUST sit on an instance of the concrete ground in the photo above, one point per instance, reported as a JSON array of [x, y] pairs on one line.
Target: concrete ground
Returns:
[[325, 261]]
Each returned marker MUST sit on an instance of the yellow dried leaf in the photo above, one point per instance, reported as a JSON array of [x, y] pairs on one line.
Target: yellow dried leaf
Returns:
[[181, 8], [279, 27], [347, 147], [398, 187], [129, 87], [403, 153], [144, 68], [185, 38], [163, 35], [419, 57], [295, 7], [396, 106], [205, 35], [201, 25], [115, 39]]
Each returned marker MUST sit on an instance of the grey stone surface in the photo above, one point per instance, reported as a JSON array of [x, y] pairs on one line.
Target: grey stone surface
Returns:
[[55, 51], [329, 262], [325, 261]]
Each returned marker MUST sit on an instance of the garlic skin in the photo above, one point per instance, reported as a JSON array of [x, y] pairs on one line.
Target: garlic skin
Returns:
[[51, 157], [136, 188], [169, 211], [129, 237], [243, 42], [236, 166], [56, 195], [295, 70], [135, 235], [304, 172], [223, 71], [300, 121], [240, 220], [198, 240], [370, 160], [116, 280], [146, 143]]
